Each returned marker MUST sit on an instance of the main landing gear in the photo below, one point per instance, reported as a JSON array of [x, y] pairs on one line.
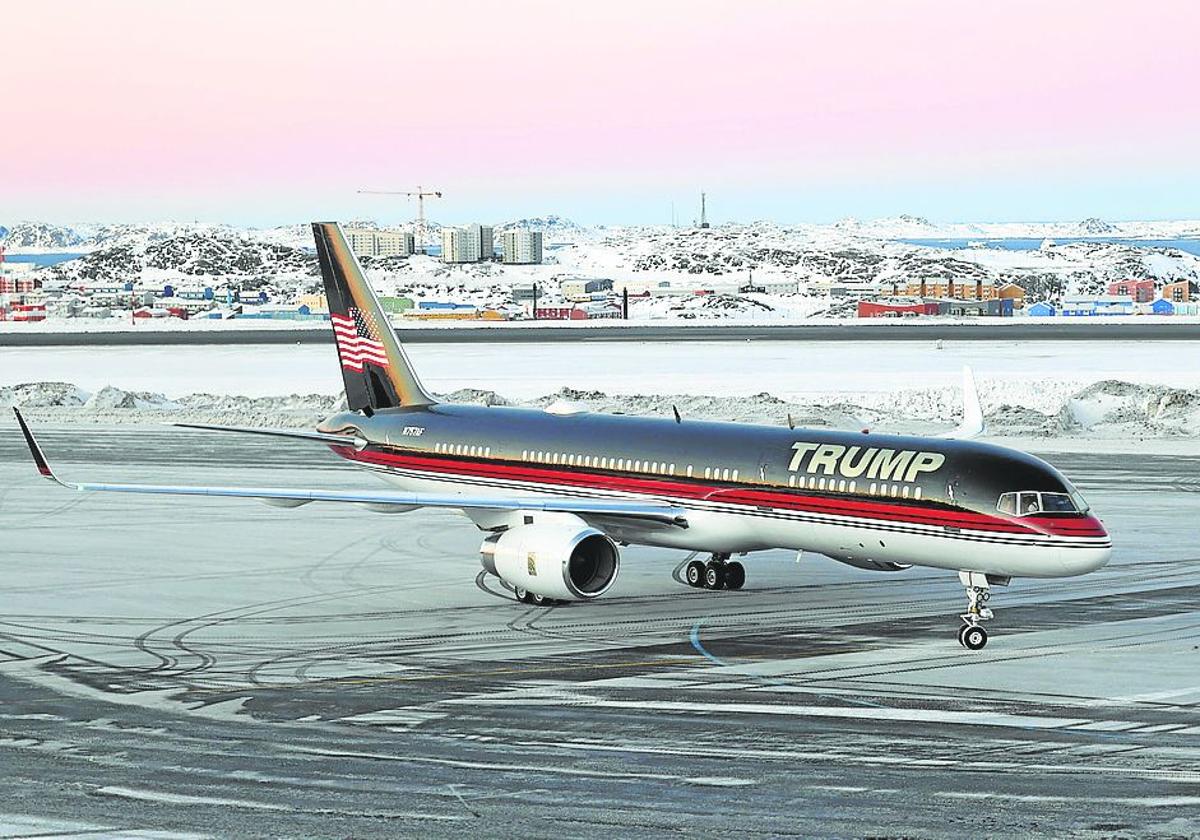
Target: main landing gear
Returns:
[[971, 635], [718, 573], [527, 597]]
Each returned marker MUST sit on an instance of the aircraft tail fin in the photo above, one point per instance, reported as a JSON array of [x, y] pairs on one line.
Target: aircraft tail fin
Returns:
[[376, 372], [973, 423]]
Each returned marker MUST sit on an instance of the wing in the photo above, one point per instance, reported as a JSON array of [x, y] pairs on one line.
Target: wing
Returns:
[[385, 501]]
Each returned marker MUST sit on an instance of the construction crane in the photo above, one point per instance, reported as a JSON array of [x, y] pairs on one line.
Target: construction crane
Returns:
[[421, 194]]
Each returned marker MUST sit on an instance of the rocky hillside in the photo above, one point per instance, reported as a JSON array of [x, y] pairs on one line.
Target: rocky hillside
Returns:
[[189, 255], [40, 236]]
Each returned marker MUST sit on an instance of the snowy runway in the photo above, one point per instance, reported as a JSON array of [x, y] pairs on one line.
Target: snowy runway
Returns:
[[203, 668]]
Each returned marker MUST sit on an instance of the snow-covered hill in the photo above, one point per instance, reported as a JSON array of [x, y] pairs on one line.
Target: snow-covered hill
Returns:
[[554, 229], [39, 236], [916, 227], [788, 262], [187, 256]]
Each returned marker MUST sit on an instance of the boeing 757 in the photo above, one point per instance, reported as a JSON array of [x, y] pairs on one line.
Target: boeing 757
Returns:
[[557, 492]]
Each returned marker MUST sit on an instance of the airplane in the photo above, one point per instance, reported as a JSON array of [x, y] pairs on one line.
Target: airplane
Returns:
[[559, 491]]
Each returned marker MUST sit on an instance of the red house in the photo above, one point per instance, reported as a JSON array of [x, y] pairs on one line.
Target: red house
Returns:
[[560, 313], [895, 309], [1142, 291], [27, 312]]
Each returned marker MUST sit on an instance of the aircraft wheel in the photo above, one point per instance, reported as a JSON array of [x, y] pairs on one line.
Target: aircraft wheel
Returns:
[[522, 594], [714, 576], [974, 637], [539, 600], [694, 574], [735, 575], [962, 628]]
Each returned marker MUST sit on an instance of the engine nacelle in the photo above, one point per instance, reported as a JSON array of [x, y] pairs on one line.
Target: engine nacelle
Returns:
[[565, 559], [871, 565]]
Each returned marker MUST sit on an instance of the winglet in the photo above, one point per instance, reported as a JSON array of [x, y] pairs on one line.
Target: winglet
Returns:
[[973, 424], [38, 457]]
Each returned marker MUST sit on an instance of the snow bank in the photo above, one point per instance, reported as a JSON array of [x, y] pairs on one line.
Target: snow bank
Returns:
[[1109, 409]]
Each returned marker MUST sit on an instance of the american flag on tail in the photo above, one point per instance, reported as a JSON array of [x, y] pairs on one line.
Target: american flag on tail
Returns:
[[358, 341]]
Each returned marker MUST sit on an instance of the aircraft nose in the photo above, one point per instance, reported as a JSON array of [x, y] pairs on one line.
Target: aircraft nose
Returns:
[[1080, 561]]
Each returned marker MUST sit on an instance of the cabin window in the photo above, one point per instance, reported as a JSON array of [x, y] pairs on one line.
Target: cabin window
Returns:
[[905, 494], [654, 467], [842, 486], [571, 460], [852, 486], [524, 454], [791, 481], [672, 471], [735, 475], [821, 484], [917, 493]]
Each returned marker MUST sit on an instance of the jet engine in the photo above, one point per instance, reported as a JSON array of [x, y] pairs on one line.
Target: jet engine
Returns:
[[567, 559]]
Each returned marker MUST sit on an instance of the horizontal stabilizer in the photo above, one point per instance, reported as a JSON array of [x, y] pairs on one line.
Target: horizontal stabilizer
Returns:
[[294, 434]]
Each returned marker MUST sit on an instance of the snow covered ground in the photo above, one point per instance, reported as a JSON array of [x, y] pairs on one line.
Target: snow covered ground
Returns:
[[787, 369], [1069, 390]]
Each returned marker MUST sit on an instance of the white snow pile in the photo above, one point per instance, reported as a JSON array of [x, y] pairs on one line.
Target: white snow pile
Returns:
[[62, 402], [1107, 409], [43, 395], [1114, 406]]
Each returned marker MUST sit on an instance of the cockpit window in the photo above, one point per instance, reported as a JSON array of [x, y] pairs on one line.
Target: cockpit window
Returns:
[[1057, 503], [1030, 503], [1008, 504]]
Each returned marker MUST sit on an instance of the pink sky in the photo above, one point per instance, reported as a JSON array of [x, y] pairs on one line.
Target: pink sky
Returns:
[[277, 111]]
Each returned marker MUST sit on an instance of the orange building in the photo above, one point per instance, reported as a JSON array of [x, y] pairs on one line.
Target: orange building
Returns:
[[1014, 292], [1177, 292], [967, 290]]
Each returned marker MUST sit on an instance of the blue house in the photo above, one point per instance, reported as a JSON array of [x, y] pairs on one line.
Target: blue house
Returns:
[[1162, 307], [1041, 309], [1100, 305]]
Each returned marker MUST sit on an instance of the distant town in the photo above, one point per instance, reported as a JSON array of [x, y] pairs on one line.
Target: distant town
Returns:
[[551, 269]]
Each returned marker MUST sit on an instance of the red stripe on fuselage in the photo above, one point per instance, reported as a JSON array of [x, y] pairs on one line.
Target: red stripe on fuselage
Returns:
[[912, 513]]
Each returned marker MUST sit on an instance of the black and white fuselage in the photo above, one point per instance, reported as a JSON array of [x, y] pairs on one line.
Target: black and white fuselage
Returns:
[[868, 499]]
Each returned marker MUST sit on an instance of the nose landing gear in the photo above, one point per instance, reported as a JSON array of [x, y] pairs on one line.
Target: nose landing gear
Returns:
[[972, 635], [718, 573]]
